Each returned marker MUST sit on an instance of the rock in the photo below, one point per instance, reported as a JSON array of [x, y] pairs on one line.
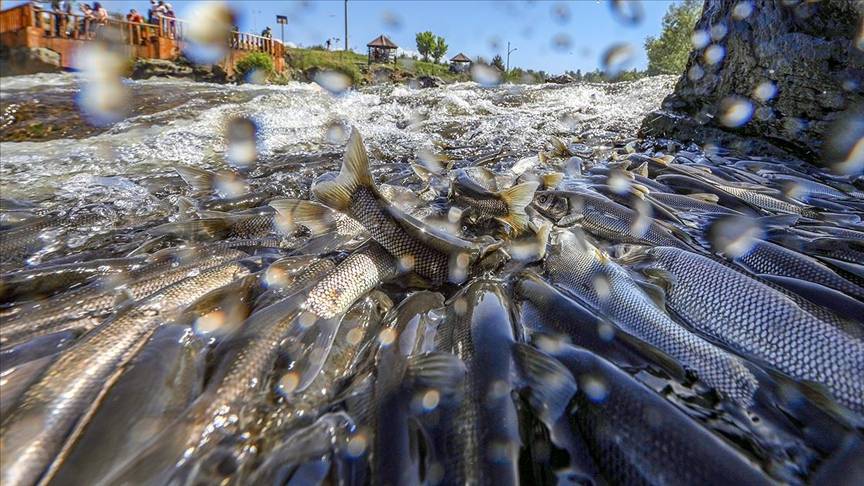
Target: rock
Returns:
[[781, 76], [561, 79], [148, 68], [29, 60], [429, 81], [182, 68]]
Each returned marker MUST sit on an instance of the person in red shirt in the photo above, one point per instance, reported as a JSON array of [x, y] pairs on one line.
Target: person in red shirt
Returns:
[[133, 17]]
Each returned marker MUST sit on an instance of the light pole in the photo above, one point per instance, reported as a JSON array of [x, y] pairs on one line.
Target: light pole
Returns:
[[282, 20], [346, 25], [508, 56]]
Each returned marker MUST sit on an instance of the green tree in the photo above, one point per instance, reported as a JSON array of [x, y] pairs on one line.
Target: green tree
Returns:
[[668, 53], [439, 49], [426, 44], [498, 62]]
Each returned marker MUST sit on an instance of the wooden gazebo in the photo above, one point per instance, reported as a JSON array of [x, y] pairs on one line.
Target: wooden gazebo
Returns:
[[460, 63], [382, 49]]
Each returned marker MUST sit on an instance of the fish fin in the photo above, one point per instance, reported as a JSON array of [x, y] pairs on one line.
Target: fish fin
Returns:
[[642, 169], [636, 256], [210, 214], [705, 196], [778, 220], [639, 190], [184, 207], [552, 179], [318, 218], [665, 160], [542, 157], [653, 355], [198, 179], [148, 245], [206, 228], [661, 278], [353, 174], [517, 198], [440, 371], [413, 280], [551, 385], [676, 231], [542, 232], [655, 292], [560, 150], [422, 172], [818, 394]]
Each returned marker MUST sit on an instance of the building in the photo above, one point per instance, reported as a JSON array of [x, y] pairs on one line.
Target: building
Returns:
[[460, 63], [382, 49]]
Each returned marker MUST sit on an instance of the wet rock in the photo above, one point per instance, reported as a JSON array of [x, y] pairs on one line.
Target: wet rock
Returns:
[[429, 82], [772, 78], [148, 68], [28, 60], [561, 79]]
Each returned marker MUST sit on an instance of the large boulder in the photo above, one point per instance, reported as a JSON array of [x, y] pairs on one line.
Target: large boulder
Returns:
[[28, 60], [561, 79], [769, 76], [181, 68]]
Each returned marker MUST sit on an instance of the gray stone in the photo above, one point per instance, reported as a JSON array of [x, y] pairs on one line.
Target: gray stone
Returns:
[[561, 79], [29, 60], [807, 57], [149, 68], [429, 82]]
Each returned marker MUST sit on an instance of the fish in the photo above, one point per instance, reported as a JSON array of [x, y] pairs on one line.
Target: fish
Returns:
[[580, 268], [284, 276], [506, 206], [248, 358], [330, 230], [744, 315], [544, 309], [634, 435], [479, 439], [768, 258], [73, 384], [46, 280], [692, 203], [402, 372], [607, 219], [82, 308], [156, 386], [22, 240], [329, 449], [261, 223], [432, 254]]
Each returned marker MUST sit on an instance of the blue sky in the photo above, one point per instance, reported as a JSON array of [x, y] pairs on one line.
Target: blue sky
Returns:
[[549, 35]]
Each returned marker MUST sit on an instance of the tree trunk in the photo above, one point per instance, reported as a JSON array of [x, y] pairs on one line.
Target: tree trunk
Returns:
[[784, 78]]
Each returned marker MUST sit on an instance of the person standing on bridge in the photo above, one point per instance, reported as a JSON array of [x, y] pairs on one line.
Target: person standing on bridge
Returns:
[[133, 17]]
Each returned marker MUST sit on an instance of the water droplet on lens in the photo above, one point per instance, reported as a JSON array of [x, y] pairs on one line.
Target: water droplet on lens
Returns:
[[561, 12], [735, 111], [336, 133], [561, 41], [695, 72], [742, 10], [357, 445], [387, 336], [765, 91], [208, 32], [333, 81], [734, 236], [288, 383], [714, 54], [594, 387], [718, 31], [616, 58], [431, 399], [700, 39], [628, 12], [844, 144], [486, 76]]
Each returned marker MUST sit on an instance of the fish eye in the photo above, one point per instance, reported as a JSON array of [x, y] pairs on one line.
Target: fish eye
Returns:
[[543, 198]]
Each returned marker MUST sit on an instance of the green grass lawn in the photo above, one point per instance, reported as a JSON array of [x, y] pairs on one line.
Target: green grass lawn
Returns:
[[354, 65]]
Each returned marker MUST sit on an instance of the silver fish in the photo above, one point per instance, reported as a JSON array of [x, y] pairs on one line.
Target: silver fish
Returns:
[[72, 384], [580, 268], [434, 255], [746, 315]]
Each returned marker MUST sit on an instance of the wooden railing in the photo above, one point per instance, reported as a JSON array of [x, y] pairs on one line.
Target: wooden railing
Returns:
[[76, 26]]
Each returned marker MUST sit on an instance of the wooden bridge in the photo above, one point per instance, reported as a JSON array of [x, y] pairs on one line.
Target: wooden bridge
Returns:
[[29, 26]]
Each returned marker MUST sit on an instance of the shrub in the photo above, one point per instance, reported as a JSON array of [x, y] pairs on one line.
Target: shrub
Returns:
[[254, 61]]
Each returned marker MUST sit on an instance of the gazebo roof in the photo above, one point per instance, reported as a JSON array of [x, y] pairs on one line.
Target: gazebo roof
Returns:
[[382, 42], [460, 58]]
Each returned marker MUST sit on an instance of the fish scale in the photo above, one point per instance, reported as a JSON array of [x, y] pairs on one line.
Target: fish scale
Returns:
[[763, 323], [65, 310], [773, 259], [577, 271], [478, 330], [410, 252], [72, 382]]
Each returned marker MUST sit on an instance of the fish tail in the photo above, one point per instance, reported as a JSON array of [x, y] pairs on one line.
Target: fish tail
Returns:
[[552, 179], [199, 179], [642, 169], [354, 174], [517, 198], [200, 228], [704, 196], [559, 150], [319, 219]]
